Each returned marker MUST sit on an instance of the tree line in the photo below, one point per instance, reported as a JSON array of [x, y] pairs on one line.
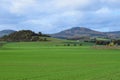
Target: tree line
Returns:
[[112, 42]]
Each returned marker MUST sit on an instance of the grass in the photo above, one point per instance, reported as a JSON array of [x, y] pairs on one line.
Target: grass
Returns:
[[103, 39], [43, 61]]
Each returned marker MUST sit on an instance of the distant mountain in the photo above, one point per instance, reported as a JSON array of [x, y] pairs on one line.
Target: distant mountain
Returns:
[[115, 34], [6, 32], [79, 32]]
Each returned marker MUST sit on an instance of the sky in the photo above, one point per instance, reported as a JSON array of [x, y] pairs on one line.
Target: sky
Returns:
[[51, 16]]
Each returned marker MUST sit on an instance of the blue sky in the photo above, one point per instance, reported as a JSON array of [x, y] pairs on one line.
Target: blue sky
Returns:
[[51, 16]]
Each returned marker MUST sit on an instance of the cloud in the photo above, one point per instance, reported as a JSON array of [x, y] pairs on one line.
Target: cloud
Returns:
[[50, 16], [19, 6]]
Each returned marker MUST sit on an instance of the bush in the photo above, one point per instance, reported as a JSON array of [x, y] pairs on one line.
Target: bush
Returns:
[[80, 44], [68, 44]]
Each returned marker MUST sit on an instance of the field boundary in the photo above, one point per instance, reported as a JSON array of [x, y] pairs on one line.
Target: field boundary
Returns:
[[106, 47]]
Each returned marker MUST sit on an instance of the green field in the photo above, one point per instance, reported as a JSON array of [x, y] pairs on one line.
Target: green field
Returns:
[[45, 61]]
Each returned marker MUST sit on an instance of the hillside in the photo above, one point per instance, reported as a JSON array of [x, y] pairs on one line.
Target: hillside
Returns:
[[6, 32], [24, 35], [78, 32]]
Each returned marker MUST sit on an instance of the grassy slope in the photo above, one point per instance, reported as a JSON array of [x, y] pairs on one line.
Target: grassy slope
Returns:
[[40, 61]]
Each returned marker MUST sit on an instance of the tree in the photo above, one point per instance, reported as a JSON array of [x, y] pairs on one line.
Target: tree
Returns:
[[45, 39], [40, 33], [68, 44], [80, 44]]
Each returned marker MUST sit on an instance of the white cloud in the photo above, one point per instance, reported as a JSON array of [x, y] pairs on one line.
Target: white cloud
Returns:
[[103, 11], [111, 1], [19, 6], [52, 15], [72, 4]]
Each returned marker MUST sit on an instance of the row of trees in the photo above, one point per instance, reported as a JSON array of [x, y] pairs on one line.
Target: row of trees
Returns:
[[112, 42], [73, 44]]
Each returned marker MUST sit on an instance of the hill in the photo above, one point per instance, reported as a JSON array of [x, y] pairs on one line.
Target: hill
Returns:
[[24, 35], [6, 32], [78, 32]]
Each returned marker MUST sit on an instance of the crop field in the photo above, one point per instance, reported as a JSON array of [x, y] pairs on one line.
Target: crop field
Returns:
[[45, 61]]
